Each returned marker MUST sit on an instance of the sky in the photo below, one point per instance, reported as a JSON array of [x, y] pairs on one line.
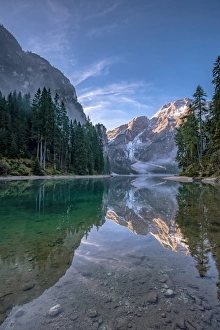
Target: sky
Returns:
[[125, 58]]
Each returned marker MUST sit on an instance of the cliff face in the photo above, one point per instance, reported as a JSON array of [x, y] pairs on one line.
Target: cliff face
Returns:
[[26, 72], [147, 145]]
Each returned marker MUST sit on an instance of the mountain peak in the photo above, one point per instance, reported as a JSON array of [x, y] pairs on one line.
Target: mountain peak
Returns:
[[8, 43], [173, 109]]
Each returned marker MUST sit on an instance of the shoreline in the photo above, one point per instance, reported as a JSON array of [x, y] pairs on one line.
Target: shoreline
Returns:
[[100, 176], [46, 177]]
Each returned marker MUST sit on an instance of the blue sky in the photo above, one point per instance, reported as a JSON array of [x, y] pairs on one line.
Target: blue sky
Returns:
[[125, 58]]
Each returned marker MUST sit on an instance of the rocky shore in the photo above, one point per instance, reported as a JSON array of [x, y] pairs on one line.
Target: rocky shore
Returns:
[[194, 179]]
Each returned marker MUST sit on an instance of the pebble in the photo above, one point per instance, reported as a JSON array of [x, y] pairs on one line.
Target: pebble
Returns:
[[28, 286], [74, 316], [121, 323], [95, 326], [181, 323], [169, 293], [131, 277], [55, 310], [152, 298], [163, 279], [20, 313], [136, 261], [92, 312]]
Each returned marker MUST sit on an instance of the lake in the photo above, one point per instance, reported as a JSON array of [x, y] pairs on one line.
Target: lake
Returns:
[[132, 252]]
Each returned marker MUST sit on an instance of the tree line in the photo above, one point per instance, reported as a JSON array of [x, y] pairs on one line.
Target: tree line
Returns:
[[41, 129], [198, 136]]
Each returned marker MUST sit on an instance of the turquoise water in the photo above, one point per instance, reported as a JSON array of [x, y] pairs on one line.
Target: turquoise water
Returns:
[[119, 253]]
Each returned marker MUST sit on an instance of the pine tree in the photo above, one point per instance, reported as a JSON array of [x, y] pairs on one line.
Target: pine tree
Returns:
[[187, 140], [199, 104], [81, 161], [5, 126], [36, 121], [214, 121]]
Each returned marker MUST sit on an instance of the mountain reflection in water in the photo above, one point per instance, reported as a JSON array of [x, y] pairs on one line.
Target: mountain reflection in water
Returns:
[[147, 205], [117, 280]]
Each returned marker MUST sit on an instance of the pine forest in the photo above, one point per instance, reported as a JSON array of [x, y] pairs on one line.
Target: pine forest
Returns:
[[198, 136], [37, 137]]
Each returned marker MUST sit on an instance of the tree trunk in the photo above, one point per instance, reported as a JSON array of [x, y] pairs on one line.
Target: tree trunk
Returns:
[[45, 152], [41, 152], [54, 161]]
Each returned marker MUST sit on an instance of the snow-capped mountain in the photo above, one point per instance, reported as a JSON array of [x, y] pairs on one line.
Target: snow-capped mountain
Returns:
[[147, 145]]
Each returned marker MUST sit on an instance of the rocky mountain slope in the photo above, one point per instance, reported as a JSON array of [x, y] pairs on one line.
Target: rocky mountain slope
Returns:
[[26, 72], [147, 145]]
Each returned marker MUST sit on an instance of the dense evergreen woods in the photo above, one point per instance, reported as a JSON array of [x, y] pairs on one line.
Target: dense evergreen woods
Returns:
[[37, 137], [198, 136]]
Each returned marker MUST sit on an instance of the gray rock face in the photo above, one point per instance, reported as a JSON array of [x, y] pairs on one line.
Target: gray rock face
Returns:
[[26, 72], [147, 145]]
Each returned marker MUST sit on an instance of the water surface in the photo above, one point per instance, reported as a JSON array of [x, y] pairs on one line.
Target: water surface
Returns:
[[119, 253]]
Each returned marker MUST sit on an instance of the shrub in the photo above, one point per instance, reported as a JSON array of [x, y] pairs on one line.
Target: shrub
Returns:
[[4, 168], [36, 169]]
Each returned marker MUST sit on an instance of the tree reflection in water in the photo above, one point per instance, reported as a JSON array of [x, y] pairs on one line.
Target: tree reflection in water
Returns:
[[199, 220], [41, 225]]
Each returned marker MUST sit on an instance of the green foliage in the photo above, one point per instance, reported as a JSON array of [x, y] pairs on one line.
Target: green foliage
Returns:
[[42, 130], [187, 140], [4, 168], [36, 169]]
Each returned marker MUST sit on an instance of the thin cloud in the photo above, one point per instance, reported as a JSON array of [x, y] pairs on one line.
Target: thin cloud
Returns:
[[96, 69], [97, 32], [111, 104], [106, 10], [116, 89]]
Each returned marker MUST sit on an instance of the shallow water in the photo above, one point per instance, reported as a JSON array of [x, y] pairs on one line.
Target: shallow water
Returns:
[[119, 253]]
